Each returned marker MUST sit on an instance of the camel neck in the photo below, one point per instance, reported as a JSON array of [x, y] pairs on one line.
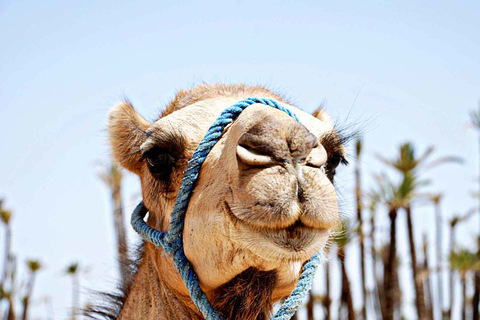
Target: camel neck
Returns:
[[157, 291]]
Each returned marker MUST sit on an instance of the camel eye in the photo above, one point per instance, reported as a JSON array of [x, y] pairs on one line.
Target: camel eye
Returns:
[[333, 162], [160, 163]]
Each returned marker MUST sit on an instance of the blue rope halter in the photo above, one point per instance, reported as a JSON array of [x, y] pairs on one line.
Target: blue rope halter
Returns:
[[171, 241]]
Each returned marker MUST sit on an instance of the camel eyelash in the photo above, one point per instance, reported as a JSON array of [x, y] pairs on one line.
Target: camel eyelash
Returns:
[[333, 143]]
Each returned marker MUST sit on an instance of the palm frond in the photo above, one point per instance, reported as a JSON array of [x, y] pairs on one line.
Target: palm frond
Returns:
[[443, 160], [343, 233], [460, 218], [464, 260], [5, 216], [407, 162], [111, 175], [34, 265], [426, 154], [72, 268]]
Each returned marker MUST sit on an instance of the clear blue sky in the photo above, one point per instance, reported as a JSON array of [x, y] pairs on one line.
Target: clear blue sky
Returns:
[[415, 67]]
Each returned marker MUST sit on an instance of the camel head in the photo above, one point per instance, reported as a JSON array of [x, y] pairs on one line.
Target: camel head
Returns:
[[264, 200]]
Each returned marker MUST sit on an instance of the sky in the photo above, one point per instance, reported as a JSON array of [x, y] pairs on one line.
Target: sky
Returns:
[[400, 71]]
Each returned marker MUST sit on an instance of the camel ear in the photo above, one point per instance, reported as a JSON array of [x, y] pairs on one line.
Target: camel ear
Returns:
[[126, 131], [321, 115]]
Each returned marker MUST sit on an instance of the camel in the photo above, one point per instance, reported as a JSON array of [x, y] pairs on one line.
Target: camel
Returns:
[[263, 205]]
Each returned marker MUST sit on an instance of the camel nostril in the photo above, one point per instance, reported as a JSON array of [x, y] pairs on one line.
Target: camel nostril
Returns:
[[261, 149], [274, 141], [252, 157]]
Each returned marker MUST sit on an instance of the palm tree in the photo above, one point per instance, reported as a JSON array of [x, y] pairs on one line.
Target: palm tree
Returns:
[[8, 263], [33, 267], [428, 286], [72, 271], [48, 308], [475, 121], [408, 164], [358, 197], [327, 300], [376, 289], [342, 238], [394, 197], [391, 283], [453, 225], [6, 216], [436, 198], [294, 317], [112, 176], [464, 261], [311, 306]]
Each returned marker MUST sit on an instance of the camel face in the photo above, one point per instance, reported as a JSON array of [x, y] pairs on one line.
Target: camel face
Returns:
[[264, 197]]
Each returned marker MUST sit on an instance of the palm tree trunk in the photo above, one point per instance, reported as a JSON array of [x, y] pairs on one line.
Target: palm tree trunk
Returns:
[[8, 241], [464, 297], [310, 307], [358, 197], [377, 302], [26, 299], [49, 309], [12, 272], [11, 309], [346, 294], [6, 262], [327, 303], [428, 285], [381, 284], [75, 296], [439, 238], [417, 281], [389, 274], [397, 291], [476, 295], [119, 222], [451, 283]]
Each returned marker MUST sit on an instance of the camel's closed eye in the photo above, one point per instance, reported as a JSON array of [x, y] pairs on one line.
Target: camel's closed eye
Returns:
[[160, 162]]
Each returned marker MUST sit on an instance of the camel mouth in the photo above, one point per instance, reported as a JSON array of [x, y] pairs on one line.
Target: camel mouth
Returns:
[[296, 241], [295, 237]]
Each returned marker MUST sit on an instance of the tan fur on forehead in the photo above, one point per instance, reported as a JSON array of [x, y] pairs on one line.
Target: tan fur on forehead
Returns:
[[209, 91]]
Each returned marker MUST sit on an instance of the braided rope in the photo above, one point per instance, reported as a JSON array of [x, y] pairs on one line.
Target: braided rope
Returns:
[[172, 242]]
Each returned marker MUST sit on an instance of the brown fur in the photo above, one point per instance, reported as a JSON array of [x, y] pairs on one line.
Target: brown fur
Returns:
[[112, 303], [125, 141], [210, 91], [319, 113], [248, 296]]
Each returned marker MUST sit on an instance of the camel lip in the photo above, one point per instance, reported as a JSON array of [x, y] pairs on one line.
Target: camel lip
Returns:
[[295, 242], [291, 230]]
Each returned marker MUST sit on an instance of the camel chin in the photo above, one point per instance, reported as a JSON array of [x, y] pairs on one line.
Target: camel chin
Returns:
[[295, 242], [291, 244]]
